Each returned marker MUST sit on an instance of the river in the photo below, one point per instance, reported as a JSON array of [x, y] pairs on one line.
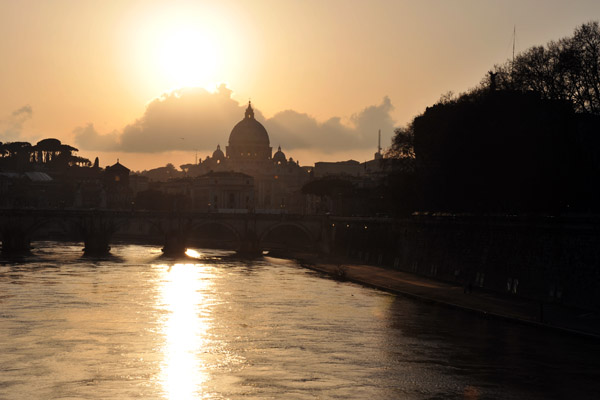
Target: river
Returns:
[[212, 326]]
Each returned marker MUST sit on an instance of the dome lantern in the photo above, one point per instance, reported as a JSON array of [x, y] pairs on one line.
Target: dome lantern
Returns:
[[249, 111], [249, 139]]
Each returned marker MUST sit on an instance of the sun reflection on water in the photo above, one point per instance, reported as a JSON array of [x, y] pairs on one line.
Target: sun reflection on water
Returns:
[[183, 298], [193, 253]]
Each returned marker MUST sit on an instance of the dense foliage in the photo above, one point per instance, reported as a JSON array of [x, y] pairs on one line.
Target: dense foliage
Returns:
[[495, 152], [50, 153], [162, 173], [567, 69], [525, 141]]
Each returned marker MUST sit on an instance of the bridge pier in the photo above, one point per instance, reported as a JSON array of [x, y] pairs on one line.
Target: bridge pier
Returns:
[[175, 243], [97, 244], [97, 232], [250, 245], [177, 231], [95, 227], [15, 241]]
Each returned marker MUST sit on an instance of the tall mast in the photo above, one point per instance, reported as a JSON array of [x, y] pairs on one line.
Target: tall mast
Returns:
[[512, 65], [378, 155]]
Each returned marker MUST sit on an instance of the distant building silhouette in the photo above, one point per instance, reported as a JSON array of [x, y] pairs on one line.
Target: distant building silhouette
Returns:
[[214, 191], [277, 181], [116, 186]]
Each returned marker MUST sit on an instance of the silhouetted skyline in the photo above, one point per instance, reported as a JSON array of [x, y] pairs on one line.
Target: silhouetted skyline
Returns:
[[111, 78]]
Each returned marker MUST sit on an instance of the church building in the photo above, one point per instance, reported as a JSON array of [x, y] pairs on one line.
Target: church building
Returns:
[[277, 180]]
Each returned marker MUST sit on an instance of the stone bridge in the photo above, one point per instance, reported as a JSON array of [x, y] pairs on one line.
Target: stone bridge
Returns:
[[248, 233]]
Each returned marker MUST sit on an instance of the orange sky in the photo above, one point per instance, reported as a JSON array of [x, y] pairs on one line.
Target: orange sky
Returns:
[[324, 76]]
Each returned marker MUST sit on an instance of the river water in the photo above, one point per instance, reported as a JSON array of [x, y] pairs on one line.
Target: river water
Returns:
[[212, 326]]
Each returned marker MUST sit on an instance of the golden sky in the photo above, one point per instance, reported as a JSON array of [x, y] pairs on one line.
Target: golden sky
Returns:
[[151, 82]]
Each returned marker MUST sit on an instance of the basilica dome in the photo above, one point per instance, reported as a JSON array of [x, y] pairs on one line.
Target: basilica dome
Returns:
[[249, 140], [249, 132], [218, 154], [279, 156]]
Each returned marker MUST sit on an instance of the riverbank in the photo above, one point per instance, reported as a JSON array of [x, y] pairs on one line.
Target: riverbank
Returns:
[[482, 302]]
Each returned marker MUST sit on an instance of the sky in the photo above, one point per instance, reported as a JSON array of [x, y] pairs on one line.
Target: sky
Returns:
[[153, 82]]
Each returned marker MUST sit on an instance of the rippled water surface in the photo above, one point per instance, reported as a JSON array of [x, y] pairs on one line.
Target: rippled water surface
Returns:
[[136, 325]]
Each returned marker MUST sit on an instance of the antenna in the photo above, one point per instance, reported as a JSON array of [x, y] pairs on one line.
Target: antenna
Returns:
[[512, 65], [378, 154]]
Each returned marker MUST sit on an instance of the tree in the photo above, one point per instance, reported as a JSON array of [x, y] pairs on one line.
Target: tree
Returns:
[[403, 148], [568, 69], [79, 161], [17, 155], [162, 173], [525, 140], [47, 150], [53, 152], [500, 151]]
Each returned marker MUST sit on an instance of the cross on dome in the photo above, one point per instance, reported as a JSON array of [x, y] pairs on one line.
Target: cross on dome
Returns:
[[249, 110]]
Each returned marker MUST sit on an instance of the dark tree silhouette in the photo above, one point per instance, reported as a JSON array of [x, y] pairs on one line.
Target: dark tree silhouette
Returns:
[[402, 149], [163, 173], [568, 69], [47, 150], [16, 155], [50, 153], [525, 140], [495, 152]]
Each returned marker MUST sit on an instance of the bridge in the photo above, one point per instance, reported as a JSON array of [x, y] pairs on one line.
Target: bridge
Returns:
[[247, 232]]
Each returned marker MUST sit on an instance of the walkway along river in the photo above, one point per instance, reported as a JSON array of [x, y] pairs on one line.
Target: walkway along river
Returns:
[[485, 303], [213, 326]]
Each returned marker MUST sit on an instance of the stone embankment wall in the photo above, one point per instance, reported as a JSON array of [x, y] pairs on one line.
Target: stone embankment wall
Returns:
[[550, 259]]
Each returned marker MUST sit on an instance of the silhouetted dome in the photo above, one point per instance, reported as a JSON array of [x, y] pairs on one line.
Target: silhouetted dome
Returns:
[[279, 156], [218, 154], [249, 132]]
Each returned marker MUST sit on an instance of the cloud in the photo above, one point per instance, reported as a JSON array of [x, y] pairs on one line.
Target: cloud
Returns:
[[11, 127], [301, 131], [87, 137], [373, 118], [23, 113], [181, 120], [197, 119]]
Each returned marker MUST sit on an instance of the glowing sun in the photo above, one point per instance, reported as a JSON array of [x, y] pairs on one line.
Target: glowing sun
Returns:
[[188, 57]]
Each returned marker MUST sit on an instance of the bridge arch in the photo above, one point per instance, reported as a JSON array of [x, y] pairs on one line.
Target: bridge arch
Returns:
[[288, 235], [215, 233], [17, 232]]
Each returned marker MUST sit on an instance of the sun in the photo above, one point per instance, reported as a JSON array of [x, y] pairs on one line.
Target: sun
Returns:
[[188, 57], [167, 48]]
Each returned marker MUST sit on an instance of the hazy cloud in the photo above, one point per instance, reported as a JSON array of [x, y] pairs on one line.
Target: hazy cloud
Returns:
[[300, 131], [12, 126], [190, 119], [87, 137], [181, 120], [24, 112], [372, 118]]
